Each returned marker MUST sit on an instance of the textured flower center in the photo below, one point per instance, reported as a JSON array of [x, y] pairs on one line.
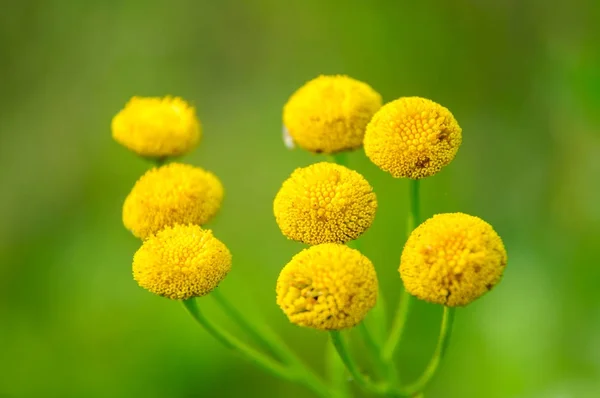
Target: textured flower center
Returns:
[[452, 259], [324, 203], [327, 287]]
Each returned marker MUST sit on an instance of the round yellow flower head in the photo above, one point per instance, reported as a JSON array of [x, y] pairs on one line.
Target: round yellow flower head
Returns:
[[181, 262], [330, 113], [157, 127], [172, 194], [325, 203], [452, 259], [412, 137], [327, 287]]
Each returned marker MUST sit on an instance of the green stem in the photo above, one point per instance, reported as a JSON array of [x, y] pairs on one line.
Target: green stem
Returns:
[[415, 212], [373, 347], [397, 326], [336, 372], [443, 339], [361, 380], [259, 336], [405, 299], [273, 344], [232, 343]]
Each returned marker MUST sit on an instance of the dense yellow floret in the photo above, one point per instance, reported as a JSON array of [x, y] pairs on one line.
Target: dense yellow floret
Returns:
[[452, 259], [157, 127], [412, 137], [172, 194], [330, 113], [181, 262], [325, 203], [327, 287]]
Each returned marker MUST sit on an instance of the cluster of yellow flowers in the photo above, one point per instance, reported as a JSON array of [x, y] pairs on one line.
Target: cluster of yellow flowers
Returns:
[[450, 259], [167, 206]]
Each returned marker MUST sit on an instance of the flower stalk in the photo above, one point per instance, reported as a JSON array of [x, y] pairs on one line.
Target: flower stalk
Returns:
[[405, 300], [294, 370], [233, 343], [443, 340]]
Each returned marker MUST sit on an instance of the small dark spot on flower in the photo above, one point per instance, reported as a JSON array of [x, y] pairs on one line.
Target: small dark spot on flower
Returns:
[[489, 286], [318, 151], [477, 268], [443, 135], [423, 162]]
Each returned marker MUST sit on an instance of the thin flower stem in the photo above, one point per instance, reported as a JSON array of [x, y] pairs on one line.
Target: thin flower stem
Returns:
[[336, 372], [405, 299], [368, 337], [232, 343], [273, 344], [443, 339], [397, 326], [342, 349], [260, 336], [385, 369]]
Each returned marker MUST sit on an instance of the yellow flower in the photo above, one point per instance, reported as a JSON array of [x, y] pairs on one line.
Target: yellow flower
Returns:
[[181, 262], [452, 259], [412, 137], [327, 287], [325, 203], [330, 113], [172, 194], [157, 127]]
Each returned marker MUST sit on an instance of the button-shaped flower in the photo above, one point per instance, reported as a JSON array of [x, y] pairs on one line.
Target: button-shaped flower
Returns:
[[412, 137], [157, 127], [325, 203], [330, 113], [327, 287], [452, 259], [172, 194], [181, 262]]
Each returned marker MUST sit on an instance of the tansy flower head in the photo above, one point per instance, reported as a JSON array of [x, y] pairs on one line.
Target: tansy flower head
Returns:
[[452, 259], [412, 137], [330, 113], [181, 262], [172, 194], [325, 203], [157, 127], [327, 287]]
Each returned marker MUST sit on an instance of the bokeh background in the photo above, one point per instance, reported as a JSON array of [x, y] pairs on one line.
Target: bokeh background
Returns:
[[521, 77]]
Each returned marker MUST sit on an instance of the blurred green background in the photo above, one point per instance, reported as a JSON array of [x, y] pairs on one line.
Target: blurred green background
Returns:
[[521, 77]]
